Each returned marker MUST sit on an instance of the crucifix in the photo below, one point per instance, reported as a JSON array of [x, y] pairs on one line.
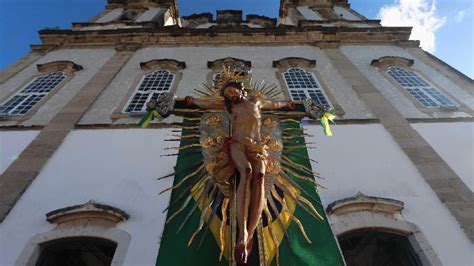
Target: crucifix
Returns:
[[243, 164]]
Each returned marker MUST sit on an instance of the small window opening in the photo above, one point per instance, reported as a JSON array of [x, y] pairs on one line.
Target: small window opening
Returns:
[[373, 248], [77, 251]]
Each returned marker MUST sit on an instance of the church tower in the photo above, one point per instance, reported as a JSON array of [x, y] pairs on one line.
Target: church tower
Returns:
[[79, 178]]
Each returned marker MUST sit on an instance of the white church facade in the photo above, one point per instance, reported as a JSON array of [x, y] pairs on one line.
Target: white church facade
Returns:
[[74, 165]]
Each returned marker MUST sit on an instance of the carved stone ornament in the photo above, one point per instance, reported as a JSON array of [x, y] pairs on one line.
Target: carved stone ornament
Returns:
[[386, 61], [163, 63], [315, 110], [88, 211], [58, 66], [362, 202], [163, 104], [294, 62], [228, 61]]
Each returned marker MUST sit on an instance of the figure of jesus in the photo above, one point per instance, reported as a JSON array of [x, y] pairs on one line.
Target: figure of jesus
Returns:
[[248, 155]]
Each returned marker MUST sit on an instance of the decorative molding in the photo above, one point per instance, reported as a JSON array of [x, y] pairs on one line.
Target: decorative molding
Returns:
[[173, 35], [386, 61], [137, 4], [30, 254], [286, 4], [229, 17], [67, 66], [362, 202], [365, 213], [197, 19], [219, 63], [263, 21], [294, 62], [87, 211], [170, 64]]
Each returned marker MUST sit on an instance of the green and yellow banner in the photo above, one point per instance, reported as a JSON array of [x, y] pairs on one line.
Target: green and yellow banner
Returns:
[[292, 246]]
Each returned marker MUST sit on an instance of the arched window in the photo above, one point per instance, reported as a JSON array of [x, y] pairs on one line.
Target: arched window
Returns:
[[420, 89], [303, 85], [85, 234], [21, 102], [151, 86], [372, 231]]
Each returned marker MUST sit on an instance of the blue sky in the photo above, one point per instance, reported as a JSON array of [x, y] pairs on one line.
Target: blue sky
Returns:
[[446, 27]]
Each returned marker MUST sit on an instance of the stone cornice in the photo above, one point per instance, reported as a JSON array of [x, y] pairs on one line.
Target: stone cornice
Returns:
[[163, 63], [174, 35], [386, 61], [339, 22], [58, 65], [294, 62], [225, 17], [362, 202], [219, 63], [285, 4], [139, 4], [88, 211]]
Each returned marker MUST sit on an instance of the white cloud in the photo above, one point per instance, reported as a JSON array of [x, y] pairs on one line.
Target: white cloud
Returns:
[[418, 14], [460, 16]]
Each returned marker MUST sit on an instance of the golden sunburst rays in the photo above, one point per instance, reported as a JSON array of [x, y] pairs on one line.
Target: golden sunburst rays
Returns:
[[273, 237], [194, 189], [289, 213], [283, 224], [201, 196], [309, 179], [295, 194], [299, 188], [215, 206], [224, 207], [199, 169], [298, 166], [207, 91], [191, 167], [207, 203]]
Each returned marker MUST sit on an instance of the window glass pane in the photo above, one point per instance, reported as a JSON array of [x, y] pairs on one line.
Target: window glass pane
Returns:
[[44, 84], [10, 104], [422, 97], [303, 85], [26, 105], [443, 100], [426, 94], [24, 100], [154, 84], [318, 97]]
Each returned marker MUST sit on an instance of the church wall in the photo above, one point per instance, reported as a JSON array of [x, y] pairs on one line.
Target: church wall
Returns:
[[119, 168], [196, 72], [90, 59], [12, 143], [454, 142], [362, 55], [114, 167], [365, 158]]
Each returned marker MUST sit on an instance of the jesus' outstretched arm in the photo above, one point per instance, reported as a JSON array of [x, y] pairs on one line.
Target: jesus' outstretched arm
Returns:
[[204, 103], [271, 105]]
